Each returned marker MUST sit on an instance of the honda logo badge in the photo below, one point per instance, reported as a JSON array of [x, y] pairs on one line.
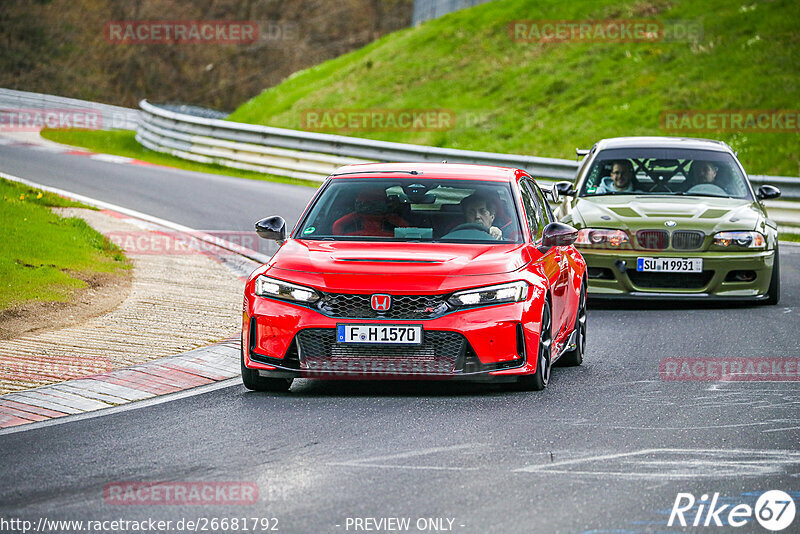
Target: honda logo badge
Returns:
[[381, 302]]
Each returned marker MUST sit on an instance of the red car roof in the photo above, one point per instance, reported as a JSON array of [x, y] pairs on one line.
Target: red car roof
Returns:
[[447, 171]]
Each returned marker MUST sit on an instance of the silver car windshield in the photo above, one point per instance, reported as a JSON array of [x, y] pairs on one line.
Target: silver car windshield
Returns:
[[665, 172], [415, 209]]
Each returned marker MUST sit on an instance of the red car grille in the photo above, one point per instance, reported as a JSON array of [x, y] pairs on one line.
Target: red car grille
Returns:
[[409, 307], [438, 354], [652, 239]]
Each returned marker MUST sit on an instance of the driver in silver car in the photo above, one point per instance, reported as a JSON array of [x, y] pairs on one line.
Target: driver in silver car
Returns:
[[703, 178], [704, 172]]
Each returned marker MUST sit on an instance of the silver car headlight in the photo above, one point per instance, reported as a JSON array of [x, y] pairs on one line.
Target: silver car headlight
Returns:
[[497, 294], [271, 287], [740, 239]]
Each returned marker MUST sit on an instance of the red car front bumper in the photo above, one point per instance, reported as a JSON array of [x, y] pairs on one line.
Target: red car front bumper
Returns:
[[283, 339]]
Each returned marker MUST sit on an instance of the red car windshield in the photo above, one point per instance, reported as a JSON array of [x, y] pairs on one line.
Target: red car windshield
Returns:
[[415, 209]]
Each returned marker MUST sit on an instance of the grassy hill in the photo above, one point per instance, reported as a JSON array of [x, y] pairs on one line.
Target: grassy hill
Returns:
[[546, 99], [59, 47]]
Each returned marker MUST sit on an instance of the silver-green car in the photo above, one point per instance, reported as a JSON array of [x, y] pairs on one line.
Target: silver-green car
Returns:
[[663, 217]]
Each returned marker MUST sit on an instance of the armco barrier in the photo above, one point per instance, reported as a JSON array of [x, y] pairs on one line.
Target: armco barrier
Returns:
[[313, 156], [306, 155], [113, 117]]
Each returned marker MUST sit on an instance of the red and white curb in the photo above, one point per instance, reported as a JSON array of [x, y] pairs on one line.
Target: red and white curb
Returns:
[[33, 141], [155, 223], [163, 377], [173, 374]]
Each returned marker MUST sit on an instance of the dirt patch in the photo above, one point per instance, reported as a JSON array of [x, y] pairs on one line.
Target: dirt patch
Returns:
[[651, 8], [106, 292]]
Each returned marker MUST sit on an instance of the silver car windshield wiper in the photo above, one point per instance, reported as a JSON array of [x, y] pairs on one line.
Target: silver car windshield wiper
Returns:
[[612, 193], [687, 194]]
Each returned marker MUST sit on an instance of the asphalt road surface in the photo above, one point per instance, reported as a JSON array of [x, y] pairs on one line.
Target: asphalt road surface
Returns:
[[197, 200], [607, 447]]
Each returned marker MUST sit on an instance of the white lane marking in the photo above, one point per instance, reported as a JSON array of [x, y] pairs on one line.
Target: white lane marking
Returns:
[[252, 254], [780, 429], [133, 405], [417, 467], [684, 427], [419, 452], [46, 148], [676, 464], [373, 461], [539, 467], [110, 158]]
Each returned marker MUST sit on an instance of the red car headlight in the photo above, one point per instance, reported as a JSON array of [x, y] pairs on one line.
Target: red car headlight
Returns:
[[274, 288], [497, 294]]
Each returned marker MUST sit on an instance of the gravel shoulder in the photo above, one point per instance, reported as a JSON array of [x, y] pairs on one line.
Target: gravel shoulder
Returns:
[[176, 300]]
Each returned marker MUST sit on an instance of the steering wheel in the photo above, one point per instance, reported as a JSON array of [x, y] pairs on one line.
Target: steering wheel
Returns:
[[469, 226], [707, 189]]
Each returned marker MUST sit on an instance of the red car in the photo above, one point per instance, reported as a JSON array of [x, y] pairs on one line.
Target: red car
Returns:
[[417, 271]]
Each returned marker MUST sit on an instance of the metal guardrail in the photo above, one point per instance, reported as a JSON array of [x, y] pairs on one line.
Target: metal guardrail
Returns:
[[790, 187], [432, 9], [113, 117], [313, 156], [307, 155]]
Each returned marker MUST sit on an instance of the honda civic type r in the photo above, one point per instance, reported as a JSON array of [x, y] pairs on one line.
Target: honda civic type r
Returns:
[[417, 271]]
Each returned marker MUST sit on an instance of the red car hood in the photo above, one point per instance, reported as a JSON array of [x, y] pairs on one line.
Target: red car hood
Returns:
[[399, 259]]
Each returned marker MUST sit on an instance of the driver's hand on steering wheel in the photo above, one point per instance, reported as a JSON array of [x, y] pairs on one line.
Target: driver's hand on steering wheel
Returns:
[[496, 232]]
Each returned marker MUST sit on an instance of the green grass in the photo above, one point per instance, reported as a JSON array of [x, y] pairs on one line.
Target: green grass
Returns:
[[123, 143], [547, 99], [44, 257], [789, 236]]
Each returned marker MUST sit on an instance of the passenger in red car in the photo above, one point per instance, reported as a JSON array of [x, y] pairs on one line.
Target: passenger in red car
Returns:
[[372, 216]]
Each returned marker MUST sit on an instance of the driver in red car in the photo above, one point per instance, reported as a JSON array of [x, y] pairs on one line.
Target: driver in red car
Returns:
[[482, 210]]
